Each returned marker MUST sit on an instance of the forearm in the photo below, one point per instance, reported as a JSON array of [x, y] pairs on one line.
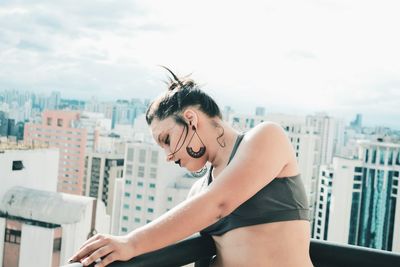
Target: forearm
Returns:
[[180, 222]]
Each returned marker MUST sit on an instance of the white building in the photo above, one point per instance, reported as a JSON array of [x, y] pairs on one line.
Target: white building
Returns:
[[322, 207], [102, 170], [152, 185], [331, 133], [39, 227], [44, 229], [363, 207], [24, 166], [95, 124]]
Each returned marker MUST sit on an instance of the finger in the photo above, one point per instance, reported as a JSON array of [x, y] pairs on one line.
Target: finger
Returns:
[[107, 260], [92, 239], [88, 249], [89, 241], [98, 254]]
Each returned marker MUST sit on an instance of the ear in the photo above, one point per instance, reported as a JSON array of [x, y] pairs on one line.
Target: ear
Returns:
[[191, 117]]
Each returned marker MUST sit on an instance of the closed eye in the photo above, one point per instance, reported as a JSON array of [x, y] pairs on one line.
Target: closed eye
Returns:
[[166, 140]]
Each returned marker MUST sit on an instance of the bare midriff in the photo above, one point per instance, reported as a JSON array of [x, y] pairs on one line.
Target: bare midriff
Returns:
[[283, 244]]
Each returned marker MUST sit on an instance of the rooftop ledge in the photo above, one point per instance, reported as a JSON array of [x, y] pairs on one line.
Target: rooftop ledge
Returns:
[[199, 248]]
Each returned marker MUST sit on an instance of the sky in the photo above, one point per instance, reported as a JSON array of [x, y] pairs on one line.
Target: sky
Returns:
[[296, 57]]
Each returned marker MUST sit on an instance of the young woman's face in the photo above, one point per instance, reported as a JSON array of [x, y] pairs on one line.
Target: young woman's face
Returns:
[[174, 138]]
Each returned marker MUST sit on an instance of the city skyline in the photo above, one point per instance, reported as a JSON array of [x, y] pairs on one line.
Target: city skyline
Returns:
[[335, 58], [348, 120]]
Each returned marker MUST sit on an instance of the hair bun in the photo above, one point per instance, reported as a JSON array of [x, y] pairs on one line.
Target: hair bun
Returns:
[[174, 82]]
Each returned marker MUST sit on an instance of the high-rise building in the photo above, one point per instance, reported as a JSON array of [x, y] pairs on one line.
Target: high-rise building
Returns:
[[357, 123], [330, 132], [363, 206], [260, 111], [152, 185], [62, 130], [101, 172]]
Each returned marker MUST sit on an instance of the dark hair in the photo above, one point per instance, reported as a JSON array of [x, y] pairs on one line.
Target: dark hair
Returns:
[[181, 93]]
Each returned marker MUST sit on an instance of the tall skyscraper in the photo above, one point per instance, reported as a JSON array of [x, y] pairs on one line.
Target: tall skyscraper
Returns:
[[260, 111], [330, 133], [101, 172], [363, 205], [62, 130]]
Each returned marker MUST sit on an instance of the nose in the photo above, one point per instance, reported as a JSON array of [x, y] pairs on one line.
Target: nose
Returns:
[[169, 157]]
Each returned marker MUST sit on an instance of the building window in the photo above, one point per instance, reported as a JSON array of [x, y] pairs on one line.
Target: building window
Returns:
[[13, 236], [373, 156], [128, 182], [57, 244], [124, 229], [138, 196], [17, 165], [142, 156], [152, 185], [151, 198], [170, 199], [125, 218], [153, 172], [127, 194], [381, 156], [141, 171], [137, 220], [150, 210], [138, 208], [59, 122], [140, 184], [49, 121], [390, 158], [129, 156], [358, 169], [126, 206], [356, 186], [154, 157], [148, 221], [129, 169]]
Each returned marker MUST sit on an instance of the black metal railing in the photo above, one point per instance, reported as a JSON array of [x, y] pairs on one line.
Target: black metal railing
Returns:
[[323, 254]]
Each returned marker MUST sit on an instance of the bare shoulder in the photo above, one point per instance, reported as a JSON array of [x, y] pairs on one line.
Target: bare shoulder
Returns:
[[260, 158], [266, 133]]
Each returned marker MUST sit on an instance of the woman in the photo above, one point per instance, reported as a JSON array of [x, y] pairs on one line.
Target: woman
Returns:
[[252, 202]]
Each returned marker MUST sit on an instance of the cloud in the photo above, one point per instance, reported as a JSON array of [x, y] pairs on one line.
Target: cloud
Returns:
[[288, 56]]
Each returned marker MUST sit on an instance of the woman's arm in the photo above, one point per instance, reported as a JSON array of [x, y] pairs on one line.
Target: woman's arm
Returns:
[[262, 155]]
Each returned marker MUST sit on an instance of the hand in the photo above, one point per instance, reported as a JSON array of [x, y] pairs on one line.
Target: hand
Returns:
[[107, 247]]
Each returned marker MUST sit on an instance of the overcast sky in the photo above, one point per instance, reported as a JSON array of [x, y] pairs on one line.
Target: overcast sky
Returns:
[[338, 56]]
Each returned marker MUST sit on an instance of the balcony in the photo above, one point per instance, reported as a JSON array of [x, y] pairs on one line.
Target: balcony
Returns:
[[200, 248]]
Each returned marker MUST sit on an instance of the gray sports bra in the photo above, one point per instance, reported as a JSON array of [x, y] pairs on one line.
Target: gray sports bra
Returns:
[[283, 199]]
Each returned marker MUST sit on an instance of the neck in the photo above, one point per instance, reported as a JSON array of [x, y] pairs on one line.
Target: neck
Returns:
[[219, 156]]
